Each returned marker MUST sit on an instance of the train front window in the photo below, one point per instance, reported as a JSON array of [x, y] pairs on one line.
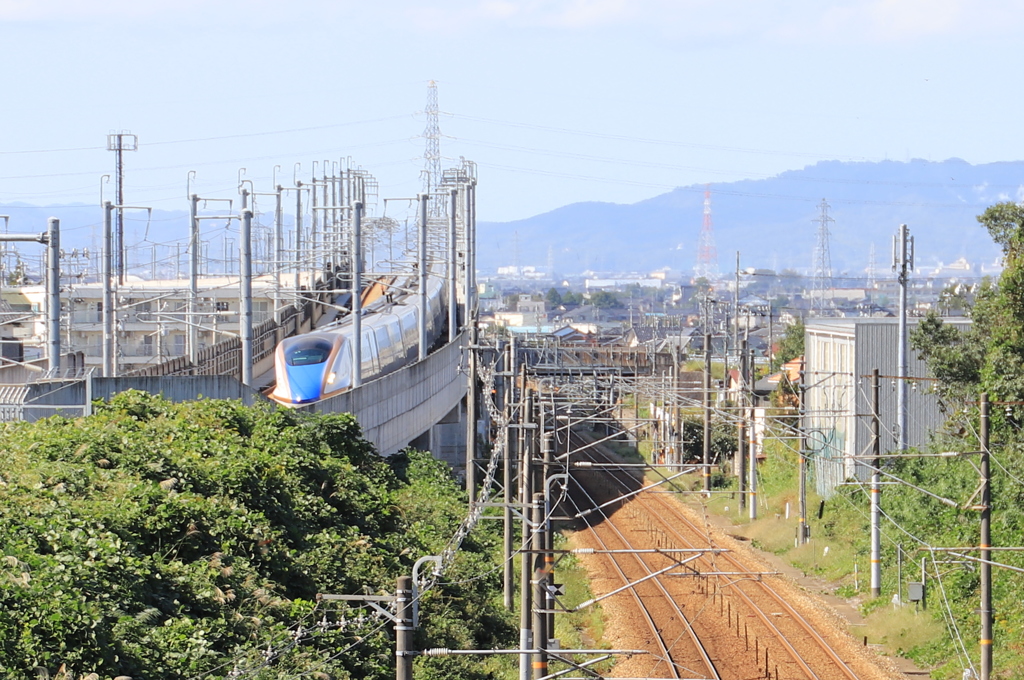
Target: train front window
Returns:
[[308, 352]]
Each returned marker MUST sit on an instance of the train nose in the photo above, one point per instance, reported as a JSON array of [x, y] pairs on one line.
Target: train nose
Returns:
[[306, 382]]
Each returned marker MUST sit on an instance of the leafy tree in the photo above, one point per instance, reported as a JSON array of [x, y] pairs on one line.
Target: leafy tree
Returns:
[[571, 298], [987, 357], [990, 355], [791, 345], [174, 541], [553, 298], [603, 299]]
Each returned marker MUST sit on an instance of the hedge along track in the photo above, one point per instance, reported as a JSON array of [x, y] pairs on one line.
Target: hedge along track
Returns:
[[668, 516], [666, 648]]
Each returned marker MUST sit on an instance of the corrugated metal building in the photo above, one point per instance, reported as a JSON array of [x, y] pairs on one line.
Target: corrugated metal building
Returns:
[[840, 356]]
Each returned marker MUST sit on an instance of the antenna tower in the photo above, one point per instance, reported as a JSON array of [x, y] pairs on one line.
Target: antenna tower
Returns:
[[119, 142], [871, 267], [432, 153], [821, 295], [707, 254]]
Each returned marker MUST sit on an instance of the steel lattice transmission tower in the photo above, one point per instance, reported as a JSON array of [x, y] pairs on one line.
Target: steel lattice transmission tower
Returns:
[[821, 291], [432, 153], [707, 254]]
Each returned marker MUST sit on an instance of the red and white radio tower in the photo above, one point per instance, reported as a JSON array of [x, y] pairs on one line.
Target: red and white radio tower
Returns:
[[707, 254]]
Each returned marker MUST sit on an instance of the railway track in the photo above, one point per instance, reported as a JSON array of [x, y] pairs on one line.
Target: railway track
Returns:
[[671, 659], [786, 645]]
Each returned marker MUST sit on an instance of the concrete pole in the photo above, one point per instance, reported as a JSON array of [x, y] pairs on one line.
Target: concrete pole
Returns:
[[540, 580], [706, 456], [298, 236], [526, 497], [471, 415], [278, 248], [876, 491], [803, 527], [741, 466], [245, 295], [192, 335], [53, 294], [453, 249], [422, 263], [471, 250], [508, 393], [403, 629], [752, 455], [313, 237], [735, 313], [357, 294], [903, 265], [547, 446], [109, 364], [985, 568], [466, 247]]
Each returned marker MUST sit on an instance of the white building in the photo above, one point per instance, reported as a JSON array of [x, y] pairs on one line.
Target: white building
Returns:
[[150, 317]]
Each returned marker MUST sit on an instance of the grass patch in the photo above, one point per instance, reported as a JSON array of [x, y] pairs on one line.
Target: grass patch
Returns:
[[772, 535], [901, 629], [583, 629]]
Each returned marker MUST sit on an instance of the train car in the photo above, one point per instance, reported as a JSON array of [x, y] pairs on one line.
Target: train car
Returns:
[[318, 365]]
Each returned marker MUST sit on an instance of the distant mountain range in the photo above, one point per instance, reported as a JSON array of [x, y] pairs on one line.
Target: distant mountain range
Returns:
[[772, 222]]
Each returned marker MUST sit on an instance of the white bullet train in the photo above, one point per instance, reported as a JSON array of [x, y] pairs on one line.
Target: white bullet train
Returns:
[[318, 365]]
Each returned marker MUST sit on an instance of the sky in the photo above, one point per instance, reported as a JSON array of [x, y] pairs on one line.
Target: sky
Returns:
[[557, 101]]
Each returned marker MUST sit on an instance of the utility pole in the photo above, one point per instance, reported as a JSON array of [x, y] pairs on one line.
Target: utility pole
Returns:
[[245, 295], [706, 454], [109, 356], [422, 263], [298, 236], [507, 483], [540, 637], [741, 437], [736, 309], [357, 293], [471, 249], [53, 294], [403, 629], [278, 248], [547, 445], [876, 491], [748, 416], [526, 497], [453, 249], [471, 416], [902, 264], [193, 281], [803, 529], [985, 568], [119, 142]]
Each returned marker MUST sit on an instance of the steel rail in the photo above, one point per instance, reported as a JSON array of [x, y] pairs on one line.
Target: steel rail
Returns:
[[705, 657], [660, 518]]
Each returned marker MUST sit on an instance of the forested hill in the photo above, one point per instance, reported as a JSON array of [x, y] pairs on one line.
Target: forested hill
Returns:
[[159, 540], [771, 221]]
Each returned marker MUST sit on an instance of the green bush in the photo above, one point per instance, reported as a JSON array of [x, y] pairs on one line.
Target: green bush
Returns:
[[164, 540]]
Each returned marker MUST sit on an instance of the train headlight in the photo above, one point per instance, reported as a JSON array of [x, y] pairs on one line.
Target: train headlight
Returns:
[[331, 376]]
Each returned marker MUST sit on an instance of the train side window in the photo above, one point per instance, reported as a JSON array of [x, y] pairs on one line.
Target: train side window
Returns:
[[384, 347], [395, 331], [369, 346]]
